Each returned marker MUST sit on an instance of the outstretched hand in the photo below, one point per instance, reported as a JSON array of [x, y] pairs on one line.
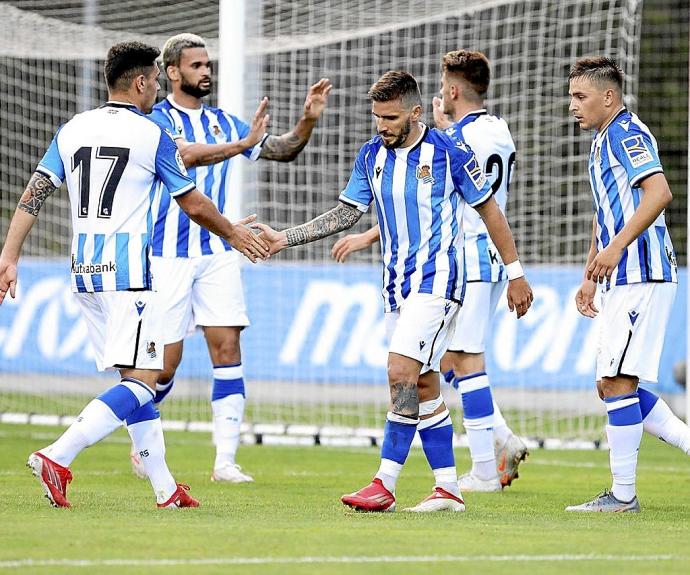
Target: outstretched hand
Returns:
[[519, 296], [276, 241], [317, 98], [257, 130], [8, 278], [243, 239]]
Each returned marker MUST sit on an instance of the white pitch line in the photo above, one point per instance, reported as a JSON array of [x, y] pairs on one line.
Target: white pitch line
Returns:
[[592, 465], [22, 563]]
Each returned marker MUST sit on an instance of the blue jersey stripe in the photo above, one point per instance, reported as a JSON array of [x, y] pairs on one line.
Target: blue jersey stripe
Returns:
[[389, 221], [614, 200], [145, 266], [437, 196], [411, 219], [452, 253], [642, 241], [182, 250], [484, 266], [78, 278], [159, 226], [665, 264], [225, 168], [204, 234], [97, 279], [122, 260]]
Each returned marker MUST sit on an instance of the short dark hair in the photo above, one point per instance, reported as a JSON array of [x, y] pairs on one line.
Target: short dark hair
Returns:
[[396, 84], [472, 67], [598, 69], [126, 61]]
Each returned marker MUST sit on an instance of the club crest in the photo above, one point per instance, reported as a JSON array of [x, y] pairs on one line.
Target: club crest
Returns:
[[424, 174]]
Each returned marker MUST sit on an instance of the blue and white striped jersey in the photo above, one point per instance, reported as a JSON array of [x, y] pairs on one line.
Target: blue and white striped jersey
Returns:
[[174, 234], [113, 159], [490, 140], [420, 193], [623, 154]]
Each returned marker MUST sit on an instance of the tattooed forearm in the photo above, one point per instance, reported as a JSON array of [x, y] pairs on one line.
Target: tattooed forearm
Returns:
[[340, 218], [37, 191], [283, 148], [404, 399]]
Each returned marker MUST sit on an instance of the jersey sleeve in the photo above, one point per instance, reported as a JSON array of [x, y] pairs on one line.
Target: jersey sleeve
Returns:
[[636, 152], [51, 164], [164, 121], [358, 192], [243, 129], [468, 175], [170, 167]]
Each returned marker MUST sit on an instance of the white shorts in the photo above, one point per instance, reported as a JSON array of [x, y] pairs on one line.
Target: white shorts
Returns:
[[632, 325], [199, 291], [421, 329], [473, 325], [125, 328]]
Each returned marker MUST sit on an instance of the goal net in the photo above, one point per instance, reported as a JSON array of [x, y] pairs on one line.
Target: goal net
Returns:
[[315, 353]]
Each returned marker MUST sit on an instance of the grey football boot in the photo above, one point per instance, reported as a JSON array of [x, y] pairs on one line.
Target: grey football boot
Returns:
[[606, 503]]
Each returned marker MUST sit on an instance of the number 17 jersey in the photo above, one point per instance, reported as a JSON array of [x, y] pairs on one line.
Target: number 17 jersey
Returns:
[[113, 159]]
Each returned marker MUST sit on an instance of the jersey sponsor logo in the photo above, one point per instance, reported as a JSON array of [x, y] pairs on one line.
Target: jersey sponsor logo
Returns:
[[216, 130], [475, 172], [422, 343], [180, 162], [637, 151], [633, 315], [108, 267], [671, 257], [424, 174], [140, 305], [378, 171]]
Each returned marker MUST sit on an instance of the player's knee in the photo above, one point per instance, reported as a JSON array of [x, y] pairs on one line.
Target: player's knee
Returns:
[[615, 386], [401, 375], [464, 363]]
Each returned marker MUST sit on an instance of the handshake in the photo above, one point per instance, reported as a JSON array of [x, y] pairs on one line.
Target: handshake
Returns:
[[255, 240]]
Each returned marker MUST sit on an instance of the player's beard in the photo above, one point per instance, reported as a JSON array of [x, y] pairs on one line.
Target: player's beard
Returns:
[[195, 90], [402, 136]]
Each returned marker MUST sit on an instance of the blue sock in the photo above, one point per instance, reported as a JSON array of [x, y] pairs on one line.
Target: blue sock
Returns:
[[449, 376], [397, 439], [436, 434], [162, 390], [647, 401], [227, 403]]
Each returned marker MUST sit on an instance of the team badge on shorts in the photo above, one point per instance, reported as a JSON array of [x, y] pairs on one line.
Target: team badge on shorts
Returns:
[[424, 174], [151, 349]]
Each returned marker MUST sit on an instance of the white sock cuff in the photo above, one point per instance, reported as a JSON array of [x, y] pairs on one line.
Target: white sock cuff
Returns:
[[428, 407], [435, 420], [164, 386], [390, 467], [486, 422], [395, 418], [142, 392], [228, 372], [474, 382]]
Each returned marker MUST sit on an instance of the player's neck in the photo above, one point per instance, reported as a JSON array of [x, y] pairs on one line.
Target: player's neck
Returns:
[[415, 134], [185, 100], [462, 108], [610, 118], [122, 98]]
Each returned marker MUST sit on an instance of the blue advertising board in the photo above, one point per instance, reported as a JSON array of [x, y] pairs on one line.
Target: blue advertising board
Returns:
[[324, 323]]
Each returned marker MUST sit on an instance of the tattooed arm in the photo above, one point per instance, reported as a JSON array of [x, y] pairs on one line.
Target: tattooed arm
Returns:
[[37, 191], [285, 148], [340, 218]]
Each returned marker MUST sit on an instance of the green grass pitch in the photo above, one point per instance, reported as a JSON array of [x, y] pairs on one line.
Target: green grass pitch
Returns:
[[291, 521]]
